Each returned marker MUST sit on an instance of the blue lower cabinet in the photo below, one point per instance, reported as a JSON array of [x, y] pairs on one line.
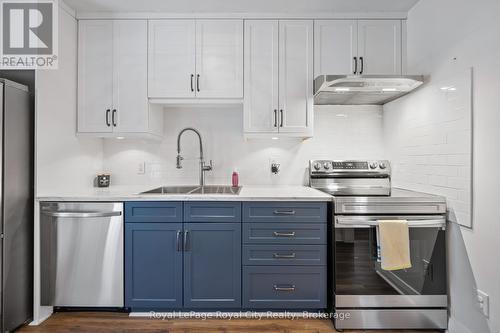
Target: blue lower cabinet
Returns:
[[212, 265], [153, 266], [284, 287]]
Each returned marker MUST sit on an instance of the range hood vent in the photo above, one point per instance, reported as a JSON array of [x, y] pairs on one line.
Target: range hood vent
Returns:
[[362, 89]]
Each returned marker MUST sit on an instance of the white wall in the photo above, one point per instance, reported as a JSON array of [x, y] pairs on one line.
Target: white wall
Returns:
[[340, 132], [438, 32], [63, 161], [428, 139]]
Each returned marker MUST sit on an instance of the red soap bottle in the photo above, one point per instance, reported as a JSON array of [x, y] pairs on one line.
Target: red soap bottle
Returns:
[[235, 178]]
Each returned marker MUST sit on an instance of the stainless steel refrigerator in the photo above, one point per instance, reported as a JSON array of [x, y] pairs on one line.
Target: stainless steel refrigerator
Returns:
[[16, 205]]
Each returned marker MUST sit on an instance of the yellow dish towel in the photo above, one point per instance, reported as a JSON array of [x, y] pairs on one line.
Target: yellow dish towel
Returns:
[[394, 244]]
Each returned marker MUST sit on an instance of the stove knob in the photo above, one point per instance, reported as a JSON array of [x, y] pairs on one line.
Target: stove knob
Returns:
[[373, 165], [317, 166], [326, 166], [382, 165]]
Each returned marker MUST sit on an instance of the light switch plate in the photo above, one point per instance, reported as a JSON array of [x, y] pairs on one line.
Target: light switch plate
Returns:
[[484, 302], [141, 168]]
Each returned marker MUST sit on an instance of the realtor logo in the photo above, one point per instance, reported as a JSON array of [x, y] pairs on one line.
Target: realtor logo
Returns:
[[28, 37]]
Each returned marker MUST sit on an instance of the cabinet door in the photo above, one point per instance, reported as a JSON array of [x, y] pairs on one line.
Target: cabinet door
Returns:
[[95, 75], [379, 46], [261, 76], [153, 265], [171, 54], [295, 75], [335, 47], [130, 67], [212, 265], [219, 58]]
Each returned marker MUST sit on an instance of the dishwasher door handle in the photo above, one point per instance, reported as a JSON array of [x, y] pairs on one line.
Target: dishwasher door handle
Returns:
[[80, 214]]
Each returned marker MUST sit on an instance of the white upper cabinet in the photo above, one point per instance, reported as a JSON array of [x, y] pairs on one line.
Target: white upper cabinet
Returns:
[[171, 59], [295, 76], [261, 76], [130, 67], [219, 58], [336, 49], [278, 77], [379, 46], [112, 80], [95, 76], [346, 47], [195, 59]]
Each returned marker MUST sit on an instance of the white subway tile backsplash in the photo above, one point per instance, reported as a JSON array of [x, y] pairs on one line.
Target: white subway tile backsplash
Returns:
[[357, 134], [428, 139], [438, 180]]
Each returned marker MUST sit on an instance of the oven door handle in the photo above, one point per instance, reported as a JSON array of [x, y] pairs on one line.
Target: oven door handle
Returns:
[[364, 223]]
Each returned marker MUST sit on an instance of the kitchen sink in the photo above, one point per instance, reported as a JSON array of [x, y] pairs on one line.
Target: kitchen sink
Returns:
[[209, 189]]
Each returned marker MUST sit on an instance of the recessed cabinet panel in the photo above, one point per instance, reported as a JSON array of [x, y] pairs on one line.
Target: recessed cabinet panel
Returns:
[[130, 101], [296, 75], [95, 76], [153, 266], [336, 47], [171, 59], [261, 76], [219, 58], [379, 46], [212, 265]]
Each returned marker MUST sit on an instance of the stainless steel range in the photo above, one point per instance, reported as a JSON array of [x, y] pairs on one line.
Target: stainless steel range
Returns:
[[364, 295]]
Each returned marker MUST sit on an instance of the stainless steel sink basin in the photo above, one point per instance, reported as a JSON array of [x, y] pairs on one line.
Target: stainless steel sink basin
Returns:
[[209, 189], [215, 189]]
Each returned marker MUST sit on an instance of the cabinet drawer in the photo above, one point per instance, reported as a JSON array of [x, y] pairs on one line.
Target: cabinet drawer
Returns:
[[279, 233], [314, 212], [202, 211], [158, 211], [285, 287], [277, 255]]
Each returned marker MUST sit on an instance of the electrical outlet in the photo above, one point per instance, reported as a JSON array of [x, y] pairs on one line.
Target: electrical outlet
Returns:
[[141, 168], [484, 302]]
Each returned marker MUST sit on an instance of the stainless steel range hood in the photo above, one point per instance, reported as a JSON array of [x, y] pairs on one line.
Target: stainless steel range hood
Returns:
[[362, 89]]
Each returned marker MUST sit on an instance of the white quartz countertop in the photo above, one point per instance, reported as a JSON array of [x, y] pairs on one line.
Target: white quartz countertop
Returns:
[[247, 193]]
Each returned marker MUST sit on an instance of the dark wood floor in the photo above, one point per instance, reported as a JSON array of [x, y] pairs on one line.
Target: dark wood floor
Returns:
[[78, 322]]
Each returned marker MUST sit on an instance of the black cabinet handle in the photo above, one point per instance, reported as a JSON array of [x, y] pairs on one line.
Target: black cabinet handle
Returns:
[[107, 117], [281, 118], [198, 82], [186, 239], [362, 65], [275, 118], [355, 65], [179, 241], [192, 77], [113, 117]]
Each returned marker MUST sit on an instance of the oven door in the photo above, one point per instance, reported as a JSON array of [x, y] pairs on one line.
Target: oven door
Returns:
[[360, 282]]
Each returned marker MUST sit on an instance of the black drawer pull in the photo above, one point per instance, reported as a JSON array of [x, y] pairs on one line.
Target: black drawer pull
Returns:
[[284, 212], [284, 234], [284, 256], [284, 288]]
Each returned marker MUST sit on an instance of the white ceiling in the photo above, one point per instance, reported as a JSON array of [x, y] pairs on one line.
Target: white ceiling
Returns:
[[243, 6]]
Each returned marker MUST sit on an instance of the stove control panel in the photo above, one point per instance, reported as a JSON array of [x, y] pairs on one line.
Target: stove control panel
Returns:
[[325, 167]]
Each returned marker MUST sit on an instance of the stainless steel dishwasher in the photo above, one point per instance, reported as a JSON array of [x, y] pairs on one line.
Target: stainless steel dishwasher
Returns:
[[81, 254]]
